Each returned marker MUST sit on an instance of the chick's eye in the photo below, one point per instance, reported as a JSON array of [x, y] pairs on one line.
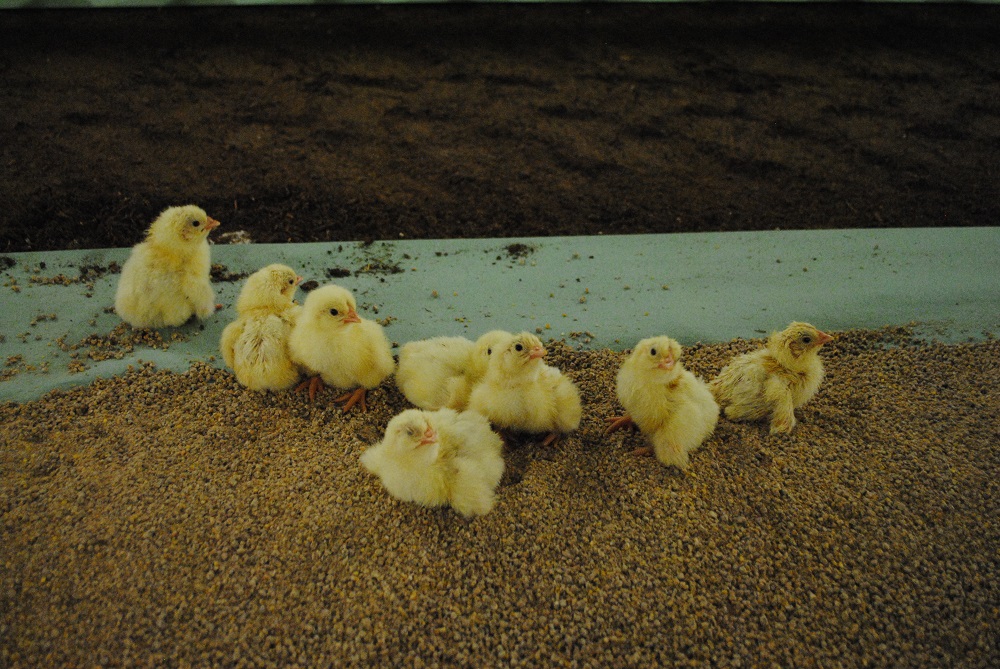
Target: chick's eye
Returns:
[[334, 312], [652, 351], [518, 348], [291, 281], [195, 224], [489, 351], [807, 339]]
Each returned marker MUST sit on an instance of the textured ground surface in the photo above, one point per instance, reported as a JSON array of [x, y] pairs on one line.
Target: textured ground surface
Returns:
[[164, 519], [361, 122]]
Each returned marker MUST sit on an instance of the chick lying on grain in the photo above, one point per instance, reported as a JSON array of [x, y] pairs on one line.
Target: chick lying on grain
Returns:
[[427, 367], [441, 372], [331, 342], [255, 345], [439, 457], [775, 380], [166, 279], [521, 393], [672, 407]]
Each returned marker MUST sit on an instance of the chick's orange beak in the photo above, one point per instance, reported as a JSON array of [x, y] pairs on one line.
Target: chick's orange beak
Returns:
[[298, 280], [536, 352], [430, 436], [666, 363], [352, 317], [211, 224], [822, 338]]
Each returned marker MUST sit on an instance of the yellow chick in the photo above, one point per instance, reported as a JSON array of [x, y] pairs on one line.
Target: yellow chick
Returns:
[[427, 367], [434, 458], [166, 278], [255, 345], [775, 380], [521, 393], [331, 342], [460, 387], [672, 407]]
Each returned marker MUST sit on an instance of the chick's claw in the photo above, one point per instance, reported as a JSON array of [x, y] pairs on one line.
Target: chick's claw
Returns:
[[349, 400], [550, 439], [618, 422], [314, 385]]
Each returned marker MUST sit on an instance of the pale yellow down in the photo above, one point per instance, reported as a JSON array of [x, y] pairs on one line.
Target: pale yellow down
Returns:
[[255, 345], [434, 458], [773, 381], [428, 366], [520, 392], [442, 371], [344, 354], [166, 278], [673, 409]]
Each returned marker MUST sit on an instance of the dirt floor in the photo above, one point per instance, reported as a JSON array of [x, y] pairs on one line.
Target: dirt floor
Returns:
[[366, 122]]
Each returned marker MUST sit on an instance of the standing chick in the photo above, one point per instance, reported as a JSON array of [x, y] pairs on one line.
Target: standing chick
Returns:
[[520, 392], [334, 344], [255, 345], [166, 278], [672, 407], [775, 380], [439, 457]]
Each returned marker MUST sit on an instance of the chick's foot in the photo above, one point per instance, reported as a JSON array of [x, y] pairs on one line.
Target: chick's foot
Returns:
[[314, 385], [618, 422], [349, 400], [550, 439]]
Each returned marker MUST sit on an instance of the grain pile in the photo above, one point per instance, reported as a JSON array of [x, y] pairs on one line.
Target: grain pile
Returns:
[[165, 519]]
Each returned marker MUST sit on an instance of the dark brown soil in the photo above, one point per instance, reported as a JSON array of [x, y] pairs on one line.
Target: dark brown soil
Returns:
[[367, 122]]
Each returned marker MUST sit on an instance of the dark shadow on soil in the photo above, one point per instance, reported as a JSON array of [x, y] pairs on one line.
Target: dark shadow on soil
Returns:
[[367, 122]]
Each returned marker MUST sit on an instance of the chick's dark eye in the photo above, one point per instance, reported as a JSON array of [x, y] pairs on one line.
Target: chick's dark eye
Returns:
[[807, 339], [195, 224], [652, 351], [489, 351], [334, 312], [518, 348], [291, 282]]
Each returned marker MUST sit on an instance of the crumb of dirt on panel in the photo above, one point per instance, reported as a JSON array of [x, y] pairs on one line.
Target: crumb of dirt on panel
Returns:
[[519, 250], [221, 273]]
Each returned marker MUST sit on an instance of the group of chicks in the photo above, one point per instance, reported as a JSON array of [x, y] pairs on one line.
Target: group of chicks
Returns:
[[449, 450]]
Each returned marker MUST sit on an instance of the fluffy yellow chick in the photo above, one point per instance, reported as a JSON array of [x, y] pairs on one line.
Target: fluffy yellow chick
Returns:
[[521, 393], [331, 342], [775, 380], [439, 457], [427, 368], [255, 345], [672, 407], [166, 278]]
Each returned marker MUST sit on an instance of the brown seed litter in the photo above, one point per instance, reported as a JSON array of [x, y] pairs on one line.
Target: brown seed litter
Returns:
[[163, 519]]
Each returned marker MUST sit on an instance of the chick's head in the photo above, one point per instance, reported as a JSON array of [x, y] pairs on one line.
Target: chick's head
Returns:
[[182, 225], [410, 435], [486, 346], [658, 357], [273, 285], [797, 340], [519, 352], [332, 307]]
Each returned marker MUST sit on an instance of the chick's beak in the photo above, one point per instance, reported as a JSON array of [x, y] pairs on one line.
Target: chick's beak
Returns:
[[536, 352], [822, 338], [211, 224], [430, 436], [352, 317], [666, 363], [298, 280]]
